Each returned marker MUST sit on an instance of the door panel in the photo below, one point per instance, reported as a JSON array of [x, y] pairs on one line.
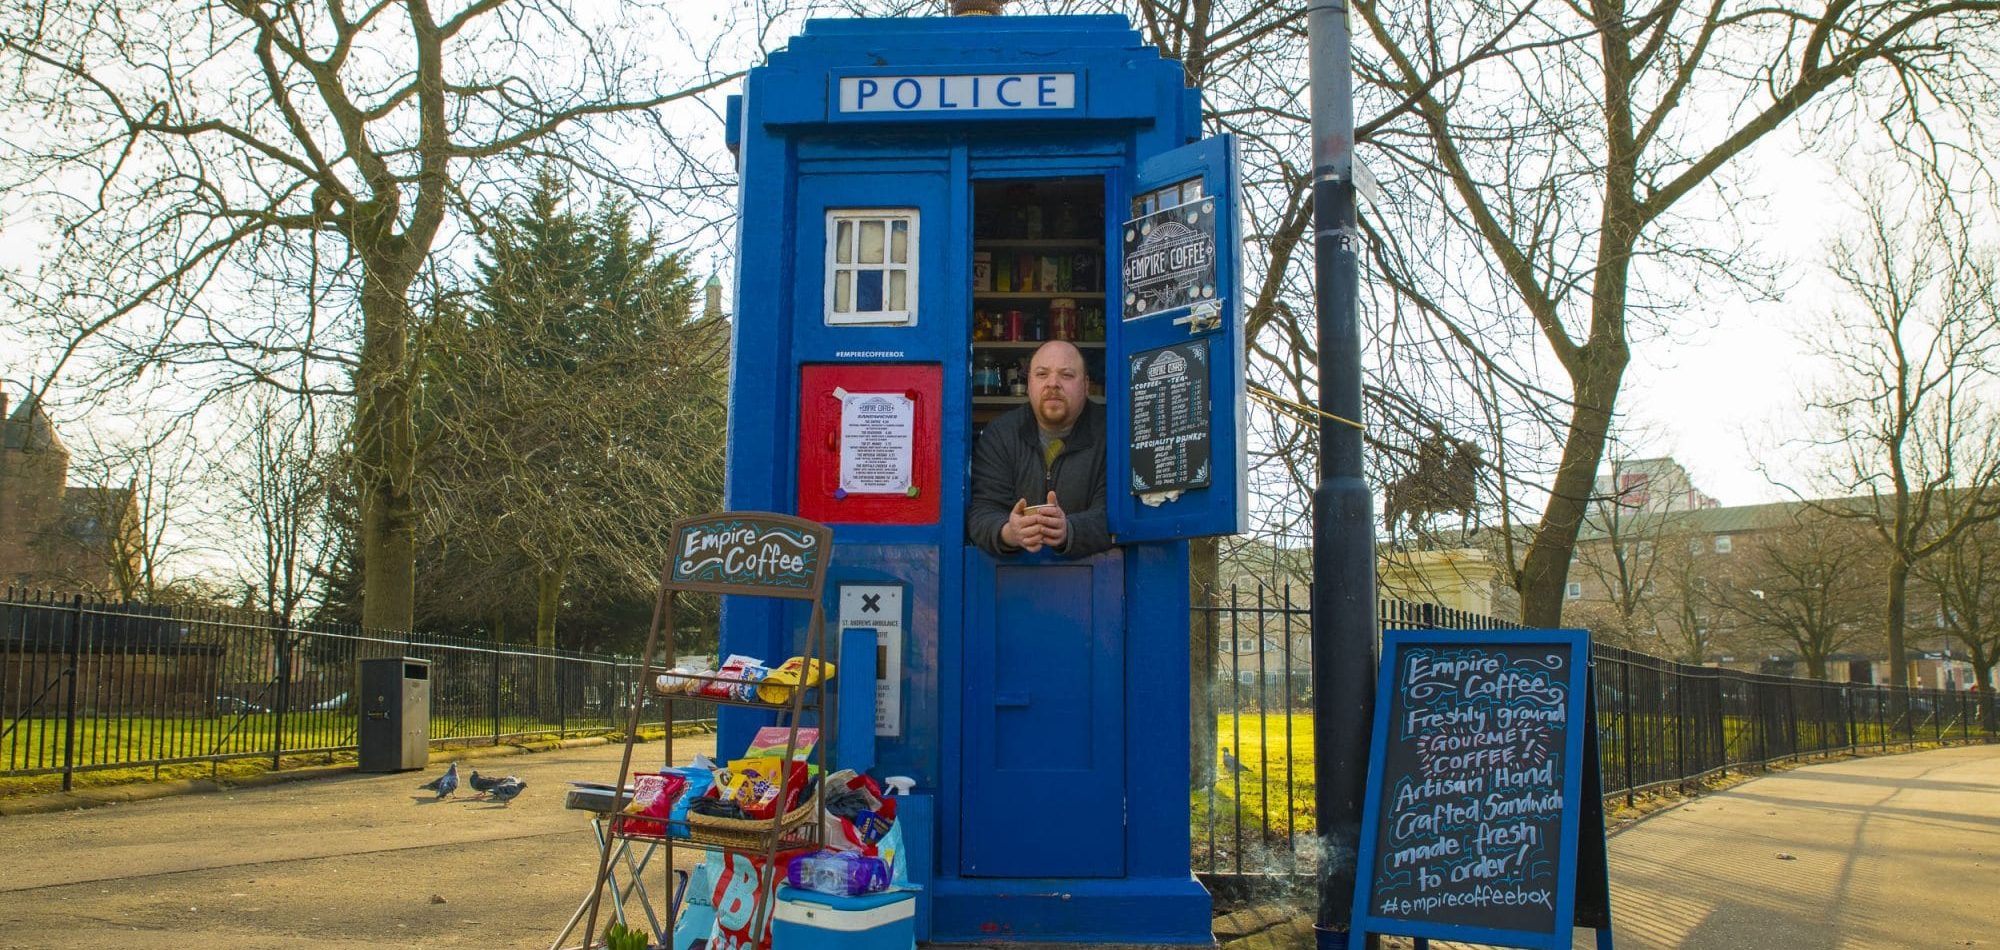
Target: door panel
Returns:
[[1044, 718], [1175, 370]]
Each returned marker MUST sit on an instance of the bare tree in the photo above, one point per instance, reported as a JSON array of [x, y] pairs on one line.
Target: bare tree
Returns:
[[1548, 209], [188, 153], [1907, 422], [1964, 577], [129, 501], [1805, 586], [275, 482]]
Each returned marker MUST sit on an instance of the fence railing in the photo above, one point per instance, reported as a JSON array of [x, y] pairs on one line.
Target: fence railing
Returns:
[[1659, 724], [89, 685]]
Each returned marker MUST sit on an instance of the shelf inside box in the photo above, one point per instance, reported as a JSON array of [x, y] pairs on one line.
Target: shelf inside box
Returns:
[[1032, 344], [1035, 294], [1094, 243], [1015, 400]]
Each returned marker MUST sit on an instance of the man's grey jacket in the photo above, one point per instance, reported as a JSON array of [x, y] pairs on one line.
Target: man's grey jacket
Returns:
[[1007, 467]]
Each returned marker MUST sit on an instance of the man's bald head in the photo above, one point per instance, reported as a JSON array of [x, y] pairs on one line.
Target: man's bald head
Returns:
[[1058, 385]]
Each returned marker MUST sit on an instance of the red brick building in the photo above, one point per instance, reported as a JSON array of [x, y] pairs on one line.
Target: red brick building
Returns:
[[54, 535]]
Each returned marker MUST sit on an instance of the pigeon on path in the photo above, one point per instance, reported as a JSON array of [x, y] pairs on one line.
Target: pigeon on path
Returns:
[[444, 784], [483, 784], [1231, 766], [506, 789]]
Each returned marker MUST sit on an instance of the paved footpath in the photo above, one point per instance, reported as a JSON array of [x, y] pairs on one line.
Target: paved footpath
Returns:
[[1883, 853], [339, 863]]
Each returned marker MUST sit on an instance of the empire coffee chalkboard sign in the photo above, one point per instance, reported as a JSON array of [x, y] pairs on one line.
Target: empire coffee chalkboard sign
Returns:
[[749, 552], [1170, 259], [1171, 420], [1477, 790]]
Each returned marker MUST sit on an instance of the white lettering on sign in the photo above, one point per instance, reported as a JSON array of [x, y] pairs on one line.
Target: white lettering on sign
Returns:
[[997, 92]]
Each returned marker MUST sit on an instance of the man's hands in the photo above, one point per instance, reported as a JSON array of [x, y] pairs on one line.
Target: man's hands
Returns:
[[1033, 529]]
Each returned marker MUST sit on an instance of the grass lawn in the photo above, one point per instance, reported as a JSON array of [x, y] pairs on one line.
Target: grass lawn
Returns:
[[1275, 796], [105, 747]]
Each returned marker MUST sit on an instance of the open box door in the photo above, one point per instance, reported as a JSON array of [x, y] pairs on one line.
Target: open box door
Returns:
[[1175, 370]]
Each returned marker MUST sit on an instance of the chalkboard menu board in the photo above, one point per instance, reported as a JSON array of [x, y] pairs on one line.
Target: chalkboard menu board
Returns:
[[1171, 419], [1475, 788], [1170, 259], [750, 552]]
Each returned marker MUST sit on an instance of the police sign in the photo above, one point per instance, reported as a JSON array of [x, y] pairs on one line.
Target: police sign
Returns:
[[987, 92]]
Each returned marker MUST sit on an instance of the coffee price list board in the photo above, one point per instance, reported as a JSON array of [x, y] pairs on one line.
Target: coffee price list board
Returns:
[[1172, 427], [1483, 799]]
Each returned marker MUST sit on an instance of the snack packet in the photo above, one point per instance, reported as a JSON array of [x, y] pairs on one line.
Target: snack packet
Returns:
[[736, 679], [776, 688], [653, 797]]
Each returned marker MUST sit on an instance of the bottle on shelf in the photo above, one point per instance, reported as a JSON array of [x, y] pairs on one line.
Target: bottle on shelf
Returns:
[[1066, 220], [986, 377], [1017, 381]]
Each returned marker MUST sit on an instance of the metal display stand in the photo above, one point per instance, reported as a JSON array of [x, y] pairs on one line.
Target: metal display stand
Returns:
[[756, 554], [634, 882]]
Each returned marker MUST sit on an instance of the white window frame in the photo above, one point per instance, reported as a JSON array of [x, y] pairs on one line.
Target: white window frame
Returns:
[[1574, 590], [1723, 544], [834, 266]]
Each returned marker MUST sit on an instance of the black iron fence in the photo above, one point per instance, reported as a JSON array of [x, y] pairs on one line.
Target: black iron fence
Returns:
[[1659, 724], [91, 685]]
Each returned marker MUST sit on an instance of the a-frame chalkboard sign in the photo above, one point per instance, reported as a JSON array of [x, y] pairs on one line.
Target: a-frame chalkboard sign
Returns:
[[1484, 821]]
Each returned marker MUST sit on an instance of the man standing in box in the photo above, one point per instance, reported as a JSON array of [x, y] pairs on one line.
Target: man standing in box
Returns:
[[1051, 451]]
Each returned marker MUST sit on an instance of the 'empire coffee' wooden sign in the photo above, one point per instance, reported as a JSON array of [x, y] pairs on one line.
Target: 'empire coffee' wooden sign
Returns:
[[1484, 801], [751, 552]]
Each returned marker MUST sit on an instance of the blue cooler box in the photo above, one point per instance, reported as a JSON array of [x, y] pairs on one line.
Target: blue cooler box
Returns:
[[806, 920]]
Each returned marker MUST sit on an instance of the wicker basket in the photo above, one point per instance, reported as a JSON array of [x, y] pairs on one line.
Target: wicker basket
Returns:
[[752, 833]]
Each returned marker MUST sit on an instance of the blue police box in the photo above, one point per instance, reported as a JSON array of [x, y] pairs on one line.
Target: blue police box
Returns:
[[922, 202]]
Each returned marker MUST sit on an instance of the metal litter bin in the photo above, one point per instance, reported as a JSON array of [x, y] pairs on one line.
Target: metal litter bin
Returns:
[[395, 729]]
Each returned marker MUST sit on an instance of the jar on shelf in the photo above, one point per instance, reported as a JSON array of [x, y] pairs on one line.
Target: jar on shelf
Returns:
[[1063, 323]]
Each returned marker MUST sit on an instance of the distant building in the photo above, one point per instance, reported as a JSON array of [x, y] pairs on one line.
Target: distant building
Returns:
[[54, 535], [1659, 484]]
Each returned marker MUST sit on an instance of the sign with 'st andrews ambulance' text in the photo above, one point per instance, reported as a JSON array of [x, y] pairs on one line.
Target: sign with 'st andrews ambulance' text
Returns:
[[1482, 791]]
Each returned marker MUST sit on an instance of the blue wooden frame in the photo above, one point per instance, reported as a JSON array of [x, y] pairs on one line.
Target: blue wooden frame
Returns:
[[1579, 720]]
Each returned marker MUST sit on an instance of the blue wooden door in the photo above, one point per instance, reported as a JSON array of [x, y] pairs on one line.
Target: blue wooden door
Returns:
[[1044, 754], [1175, 368]]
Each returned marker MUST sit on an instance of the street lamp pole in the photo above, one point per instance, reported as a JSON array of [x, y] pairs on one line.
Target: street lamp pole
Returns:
[[1343, 599]]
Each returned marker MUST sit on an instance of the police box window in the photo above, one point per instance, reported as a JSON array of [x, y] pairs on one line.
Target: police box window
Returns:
[[871, 271]]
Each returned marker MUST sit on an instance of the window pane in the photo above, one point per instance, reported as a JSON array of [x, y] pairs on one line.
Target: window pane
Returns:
[[899, 242], [871, 242], [868, 285], [843, 242], [898, 300], [1190, 190], [843, 291]]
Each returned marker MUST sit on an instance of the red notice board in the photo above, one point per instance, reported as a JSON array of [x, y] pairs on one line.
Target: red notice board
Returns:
[[823, 391]]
